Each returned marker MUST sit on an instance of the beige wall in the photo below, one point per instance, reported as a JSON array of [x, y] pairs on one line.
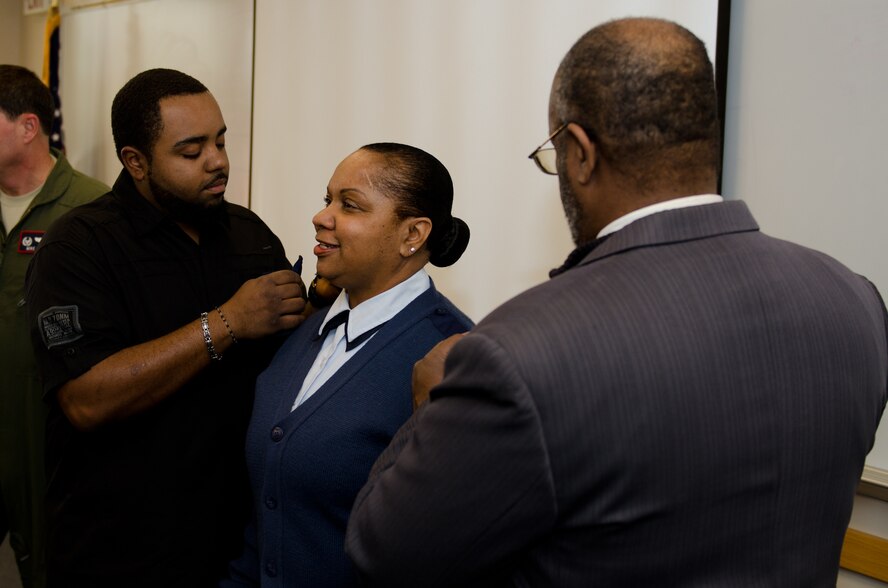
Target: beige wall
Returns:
[[21, 37], [32, 32], [10, 37]]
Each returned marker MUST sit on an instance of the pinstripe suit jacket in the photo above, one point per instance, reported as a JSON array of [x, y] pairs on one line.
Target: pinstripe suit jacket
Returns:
[[691, 405]]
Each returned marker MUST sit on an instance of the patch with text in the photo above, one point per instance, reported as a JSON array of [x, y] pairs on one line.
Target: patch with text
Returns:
[[59, 325]]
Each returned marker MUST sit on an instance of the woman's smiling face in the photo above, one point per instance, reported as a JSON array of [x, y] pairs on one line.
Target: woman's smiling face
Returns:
[[358, 233]]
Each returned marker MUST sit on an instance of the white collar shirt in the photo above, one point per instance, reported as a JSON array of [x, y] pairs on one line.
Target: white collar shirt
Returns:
[[673, 204], [364, 317]]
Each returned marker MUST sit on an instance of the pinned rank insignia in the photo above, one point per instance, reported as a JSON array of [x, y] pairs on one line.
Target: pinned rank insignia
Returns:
[[29, 240], [59, 325]]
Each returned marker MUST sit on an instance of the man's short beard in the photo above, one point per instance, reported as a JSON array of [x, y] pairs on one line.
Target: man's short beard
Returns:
[[181, 210]]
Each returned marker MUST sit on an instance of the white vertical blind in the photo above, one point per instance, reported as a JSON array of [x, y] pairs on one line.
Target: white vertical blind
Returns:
[[466, 80]]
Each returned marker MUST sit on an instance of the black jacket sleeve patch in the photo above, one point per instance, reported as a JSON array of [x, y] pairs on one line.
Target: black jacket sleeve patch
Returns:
[[59, 325]]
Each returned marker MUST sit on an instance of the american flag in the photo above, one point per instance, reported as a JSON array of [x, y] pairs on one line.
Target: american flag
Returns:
[[51, 72]]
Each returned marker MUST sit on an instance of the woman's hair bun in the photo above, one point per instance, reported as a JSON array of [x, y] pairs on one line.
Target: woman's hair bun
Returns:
[[451, 247]]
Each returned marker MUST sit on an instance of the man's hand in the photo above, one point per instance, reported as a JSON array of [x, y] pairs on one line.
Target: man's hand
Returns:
[[429, 371], [266, 305], [139, 377]]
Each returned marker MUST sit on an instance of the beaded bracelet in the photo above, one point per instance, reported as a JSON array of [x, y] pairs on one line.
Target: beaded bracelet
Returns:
[[227, 326], [205, 326]]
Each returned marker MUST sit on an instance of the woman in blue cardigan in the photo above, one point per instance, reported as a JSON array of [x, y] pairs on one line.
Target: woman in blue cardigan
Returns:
[[339, 388]]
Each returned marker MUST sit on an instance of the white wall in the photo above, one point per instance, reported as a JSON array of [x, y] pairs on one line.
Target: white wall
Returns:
[[466, 80], [806, 128]]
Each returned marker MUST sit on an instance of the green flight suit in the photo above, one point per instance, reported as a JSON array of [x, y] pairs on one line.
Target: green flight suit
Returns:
[[22, 411]]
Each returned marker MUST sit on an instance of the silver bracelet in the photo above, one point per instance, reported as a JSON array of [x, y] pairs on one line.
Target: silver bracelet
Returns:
[[205, 326]]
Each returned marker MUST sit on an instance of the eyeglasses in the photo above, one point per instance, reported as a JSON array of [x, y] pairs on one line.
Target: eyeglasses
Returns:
[[544, 157]]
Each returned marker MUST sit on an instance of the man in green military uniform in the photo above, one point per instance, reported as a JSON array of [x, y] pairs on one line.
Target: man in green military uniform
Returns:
[[37, 185]]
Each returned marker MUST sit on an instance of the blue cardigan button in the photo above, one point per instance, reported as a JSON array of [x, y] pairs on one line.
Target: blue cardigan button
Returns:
[[271, 569], [277, 434]]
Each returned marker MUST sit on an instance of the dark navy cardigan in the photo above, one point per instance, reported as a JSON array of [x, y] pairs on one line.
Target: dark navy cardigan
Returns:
[[307, 466]]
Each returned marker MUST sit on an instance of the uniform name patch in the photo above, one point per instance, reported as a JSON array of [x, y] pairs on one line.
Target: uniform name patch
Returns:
[[59, 325], [29, 240]]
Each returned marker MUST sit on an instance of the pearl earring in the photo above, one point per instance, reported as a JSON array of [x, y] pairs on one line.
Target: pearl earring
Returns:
[[413, 250]]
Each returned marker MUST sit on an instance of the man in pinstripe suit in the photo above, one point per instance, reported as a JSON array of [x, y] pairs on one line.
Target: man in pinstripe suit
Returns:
[[687, 401]]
